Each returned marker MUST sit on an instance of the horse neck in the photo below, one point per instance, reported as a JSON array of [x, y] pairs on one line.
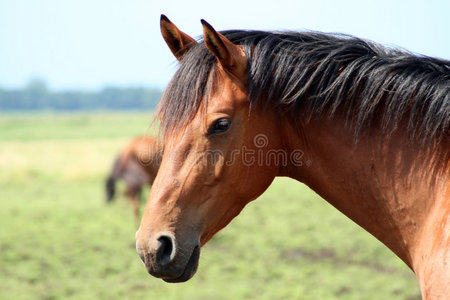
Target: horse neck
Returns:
[[396, 191]]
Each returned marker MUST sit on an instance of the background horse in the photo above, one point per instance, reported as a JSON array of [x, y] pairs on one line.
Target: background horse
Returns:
[[137, 165], [364, 126]]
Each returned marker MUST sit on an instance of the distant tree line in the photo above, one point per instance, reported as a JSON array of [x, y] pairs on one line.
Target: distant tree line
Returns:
[[36, 96]]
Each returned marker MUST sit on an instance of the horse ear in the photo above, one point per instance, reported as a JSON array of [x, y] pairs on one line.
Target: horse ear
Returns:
[[178, 41], [230, 56]]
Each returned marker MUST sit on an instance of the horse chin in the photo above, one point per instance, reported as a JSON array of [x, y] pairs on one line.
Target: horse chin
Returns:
[[190, 268]]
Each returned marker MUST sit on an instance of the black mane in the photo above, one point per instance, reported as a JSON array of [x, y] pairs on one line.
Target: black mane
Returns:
[[318, 73]]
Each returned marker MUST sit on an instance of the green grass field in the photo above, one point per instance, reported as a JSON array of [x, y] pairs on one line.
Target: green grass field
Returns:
[[59, 240]]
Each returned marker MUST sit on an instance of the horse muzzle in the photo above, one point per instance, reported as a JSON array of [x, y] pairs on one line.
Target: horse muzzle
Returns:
[[164, 259]]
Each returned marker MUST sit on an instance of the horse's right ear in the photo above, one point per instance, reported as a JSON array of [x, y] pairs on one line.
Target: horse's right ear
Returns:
[[178, 41]]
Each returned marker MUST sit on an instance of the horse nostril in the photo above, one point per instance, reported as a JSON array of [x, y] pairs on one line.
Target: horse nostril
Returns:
[[165, 250]]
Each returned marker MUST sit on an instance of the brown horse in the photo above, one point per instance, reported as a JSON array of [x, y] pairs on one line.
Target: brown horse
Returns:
[[137, 165], [364, 126]]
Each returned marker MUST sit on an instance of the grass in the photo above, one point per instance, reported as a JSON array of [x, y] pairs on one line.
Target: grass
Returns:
[[59, 240]]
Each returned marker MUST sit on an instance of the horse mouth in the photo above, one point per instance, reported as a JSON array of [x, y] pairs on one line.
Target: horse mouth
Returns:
[[189, 270]]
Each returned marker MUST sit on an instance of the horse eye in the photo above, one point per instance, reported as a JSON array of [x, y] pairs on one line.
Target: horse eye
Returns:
[[220, 125]]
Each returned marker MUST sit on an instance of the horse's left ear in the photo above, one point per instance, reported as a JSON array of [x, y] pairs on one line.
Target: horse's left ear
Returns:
[[178, 41], [230, 56]]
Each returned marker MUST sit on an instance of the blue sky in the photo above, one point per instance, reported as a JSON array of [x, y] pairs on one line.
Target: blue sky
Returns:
[[92, 43]]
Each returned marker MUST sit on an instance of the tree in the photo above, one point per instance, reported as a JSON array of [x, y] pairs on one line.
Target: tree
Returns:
[[36, 96]]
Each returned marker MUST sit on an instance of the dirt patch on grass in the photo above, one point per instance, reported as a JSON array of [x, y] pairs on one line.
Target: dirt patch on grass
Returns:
[[328, 254]]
